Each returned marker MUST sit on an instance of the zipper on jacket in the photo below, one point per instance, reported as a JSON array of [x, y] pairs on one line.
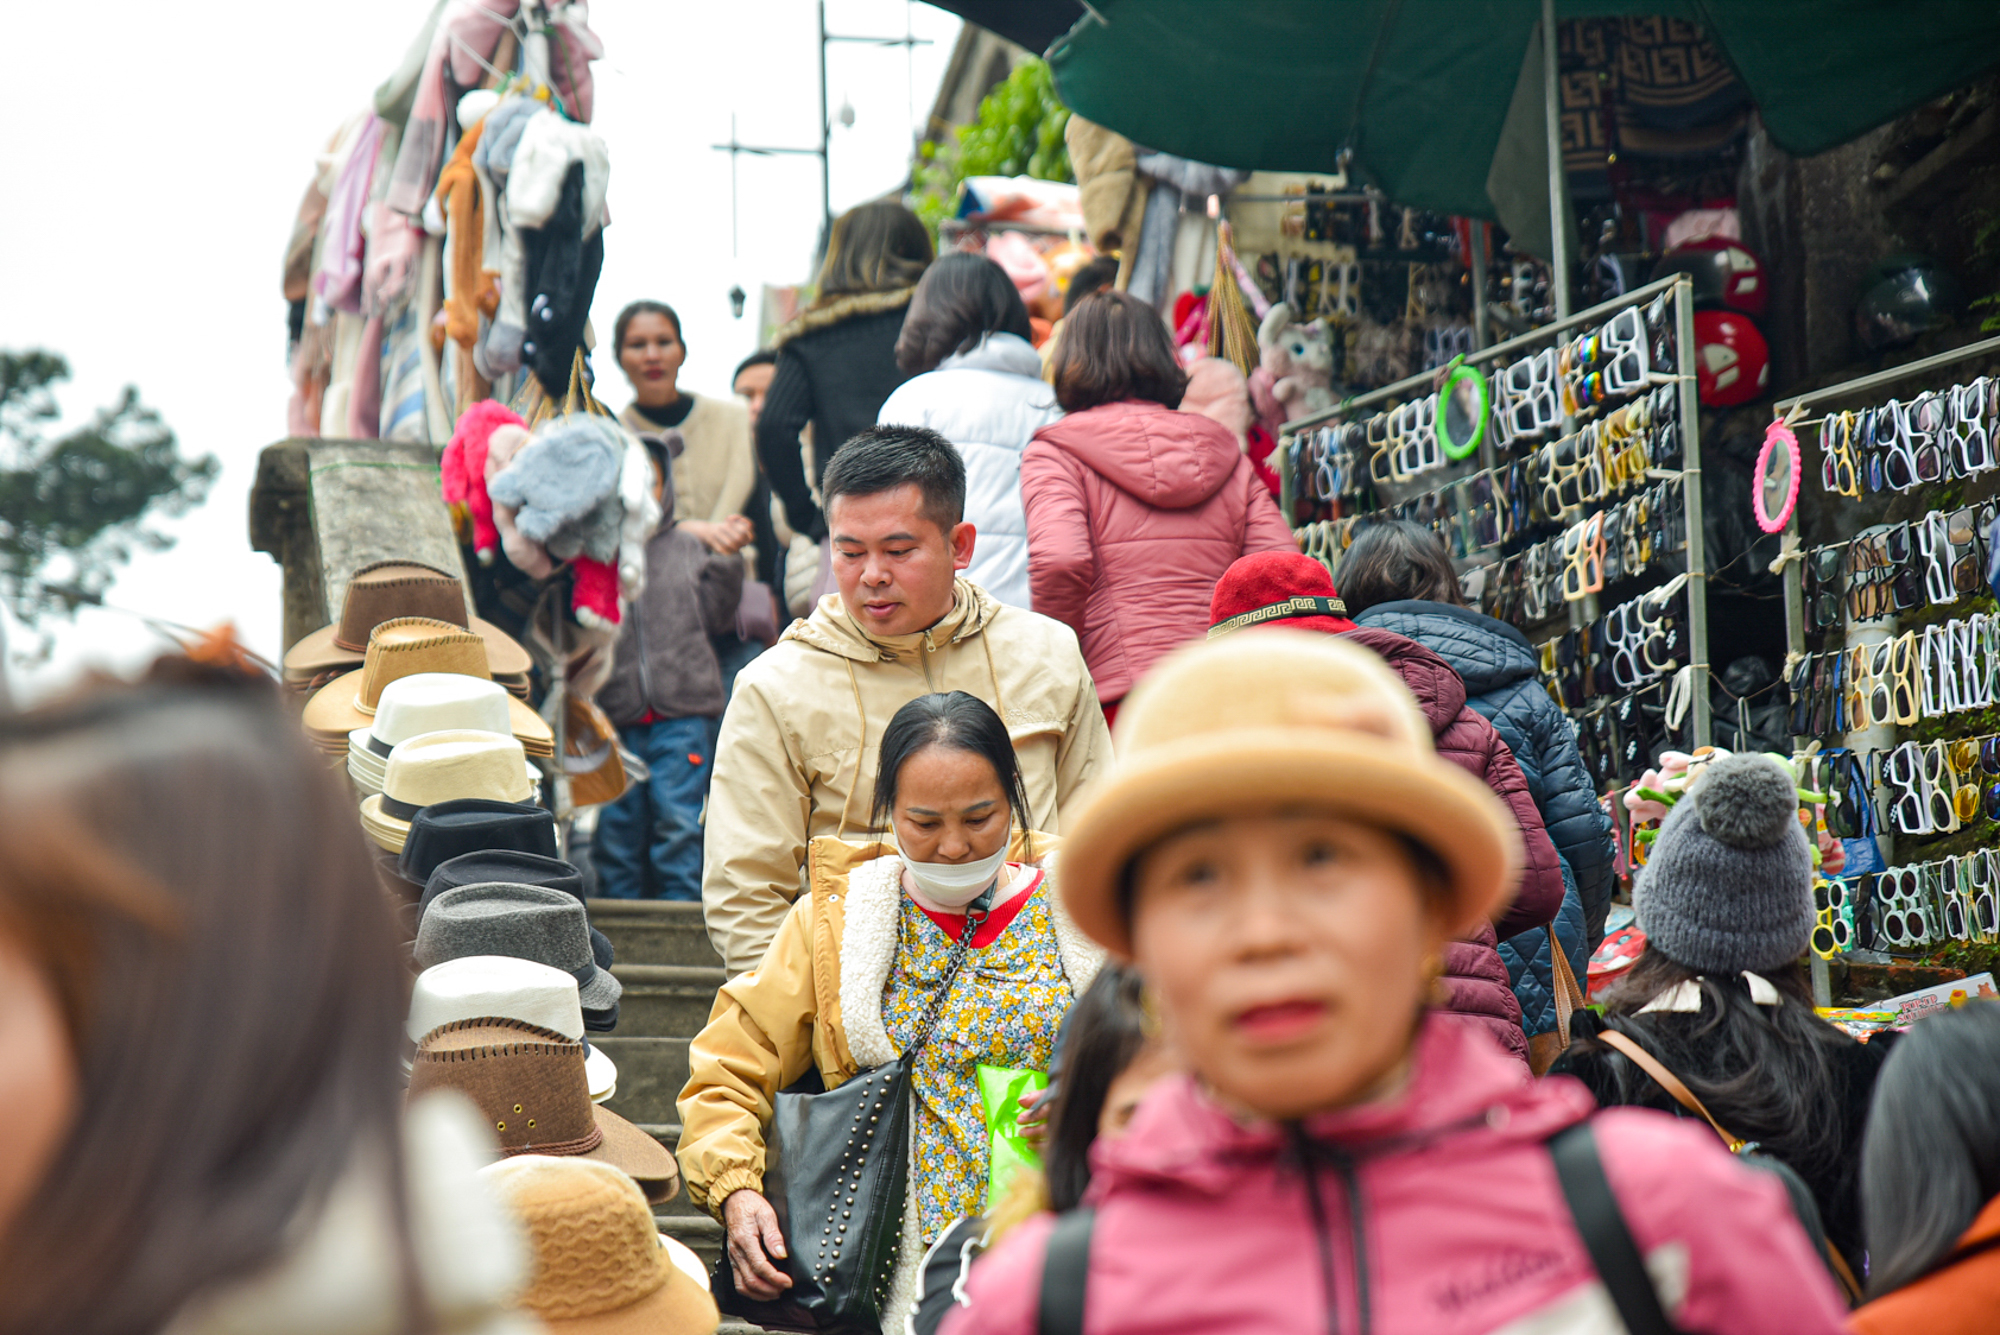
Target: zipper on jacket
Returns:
[[1309, 1153]]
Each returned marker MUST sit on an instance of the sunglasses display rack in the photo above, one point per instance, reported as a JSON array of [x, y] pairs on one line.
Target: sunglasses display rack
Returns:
[[1892, 629], [1576, 465]]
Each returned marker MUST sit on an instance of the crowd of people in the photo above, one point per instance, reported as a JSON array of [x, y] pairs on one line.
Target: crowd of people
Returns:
[[1256, 1013]]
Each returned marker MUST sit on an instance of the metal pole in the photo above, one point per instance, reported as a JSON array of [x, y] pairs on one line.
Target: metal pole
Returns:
[[1482, 329], [1697, 547], [825, 139], [1558, 178]]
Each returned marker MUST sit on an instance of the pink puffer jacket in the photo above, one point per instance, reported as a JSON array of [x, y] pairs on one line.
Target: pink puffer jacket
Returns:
[[1439, 1213], [1475, 977], [1134, 511]]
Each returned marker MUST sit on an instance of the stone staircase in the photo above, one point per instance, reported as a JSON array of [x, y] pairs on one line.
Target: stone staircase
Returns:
[[670, 973]]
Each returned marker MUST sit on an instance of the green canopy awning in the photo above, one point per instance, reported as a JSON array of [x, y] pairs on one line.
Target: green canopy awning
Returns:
[[1420, 90]]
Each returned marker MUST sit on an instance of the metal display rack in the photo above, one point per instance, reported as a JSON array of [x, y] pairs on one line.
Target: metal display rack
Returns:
[[1794, 553], [1795, 612], [1681, 288]]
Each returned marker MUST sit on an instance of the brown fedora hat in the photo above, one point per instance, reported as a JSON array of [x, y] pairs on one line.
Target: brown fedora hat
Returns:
[[532, 1087], [402, 648], [383, 592]]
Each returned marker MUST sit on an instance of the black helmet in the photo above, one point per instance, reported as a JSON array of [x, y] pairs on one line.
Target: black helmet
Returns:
[[1902, 297]]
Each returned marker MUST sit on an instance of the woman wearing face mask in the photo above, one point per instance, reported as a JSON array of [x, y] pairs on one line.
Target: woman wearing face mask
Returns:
[[1284, 866], [845, 985]]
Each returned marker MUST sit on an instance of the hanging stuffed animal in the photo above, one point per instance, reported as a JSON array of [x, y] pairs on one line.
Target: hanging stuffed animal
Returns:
[[580, 490], [464, 474], [1299, 360]]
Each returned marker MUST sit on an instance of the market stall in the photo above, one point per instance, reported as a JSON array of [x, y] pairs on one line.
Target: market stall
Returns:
[[1566, 481]]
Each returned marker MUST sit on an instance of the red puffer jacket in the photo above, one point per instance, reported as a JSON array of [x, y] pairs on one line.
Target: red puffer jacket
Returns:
[[1134, 511], [1474, 975]]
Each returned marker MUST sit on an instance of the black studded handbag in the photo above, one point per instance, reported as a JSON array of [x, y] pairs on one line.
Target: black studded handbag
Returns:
[[836, 1169]]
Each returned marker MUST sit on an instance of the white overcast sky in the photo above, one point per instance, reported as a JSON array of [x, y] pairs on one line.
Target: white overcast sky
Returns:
[[152, 174]]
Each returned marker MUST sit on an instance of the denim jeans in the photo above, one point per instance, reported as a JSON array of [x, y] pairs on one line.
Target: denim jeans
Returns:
[[648, 842]]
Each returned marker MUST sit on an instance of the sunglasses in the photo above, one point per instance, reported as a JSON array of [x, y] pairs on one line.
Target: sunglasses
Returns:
[[1833, 930]]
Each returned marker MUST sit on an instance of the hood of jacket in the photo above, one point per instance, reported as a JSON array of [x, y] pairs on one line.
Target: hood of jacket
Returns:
[[831, 630], [1488, 653], [1007, 353], [1168, 459], [1460, 1084], [841, 308], [1438, 689]]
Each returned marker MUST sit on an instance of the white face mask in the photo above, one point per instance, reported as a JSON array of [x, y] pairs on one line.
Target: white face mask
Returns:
[[956, 884]]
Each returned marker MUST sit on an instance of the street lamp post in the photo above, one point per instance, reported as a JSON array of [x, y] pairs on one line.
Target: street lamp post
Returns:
[[824, 151]]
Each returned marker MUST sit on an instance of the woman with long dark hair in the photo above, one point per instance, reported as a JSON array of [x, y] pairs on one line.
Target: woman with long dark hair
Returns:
[[837, 359], [1930, 1180], [978, 384], [202, 997], [844, 987], [1719, 999]]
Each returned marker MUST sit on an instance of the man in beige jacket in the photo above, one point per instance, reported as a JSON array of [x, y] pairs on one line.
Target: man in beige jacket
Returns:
[[797, 754]]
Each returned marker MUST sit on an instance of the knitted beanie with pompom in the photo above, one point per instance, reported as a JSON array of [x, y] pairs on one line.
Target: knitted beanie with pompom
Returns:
[[1728, 885]]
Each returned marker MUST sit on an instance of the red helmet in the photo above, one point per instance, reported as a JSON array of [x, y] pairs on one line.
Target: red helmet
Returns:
[[1726, 273], [1732, 362]]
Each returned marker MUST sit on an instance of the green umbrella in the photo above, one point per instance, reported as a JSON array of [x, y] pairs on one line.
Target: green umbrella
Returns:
[[1440, 102]]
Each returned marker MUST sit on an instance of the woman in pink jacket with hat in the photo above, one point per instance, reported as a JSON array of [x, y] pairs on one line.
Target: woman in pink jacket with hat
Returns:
[[1134, 509], [1283, 855]]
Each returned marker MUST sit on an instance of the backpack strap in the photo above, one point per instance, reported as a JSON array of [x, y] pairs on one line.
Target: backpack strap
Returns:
[[1065, 1274], [1601, 1223]]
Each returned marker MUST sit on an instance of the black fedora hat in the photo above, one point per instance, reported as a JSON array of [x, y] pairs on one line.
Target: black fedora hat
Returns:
[[516, 868], [445, 830]]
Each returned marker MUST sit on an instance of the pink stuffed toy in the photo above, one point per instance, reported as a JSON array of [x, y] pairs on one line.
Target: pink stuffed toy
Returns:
[[464, 473]]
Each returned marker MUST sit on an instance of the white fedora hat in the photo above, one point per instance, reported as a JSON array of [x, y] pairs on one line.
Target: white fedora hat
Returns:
[[430, 702], [443, 767], [501, 987]]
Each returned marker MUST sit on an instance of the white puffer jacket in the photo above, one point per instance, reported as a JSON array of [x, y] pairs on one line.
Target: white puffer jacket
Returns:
[[989, 402]]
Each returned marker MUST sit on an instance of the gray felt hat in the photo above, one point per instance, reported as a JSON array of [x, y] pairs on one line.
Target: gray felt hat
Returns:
[[529, 922], [1728, 885]]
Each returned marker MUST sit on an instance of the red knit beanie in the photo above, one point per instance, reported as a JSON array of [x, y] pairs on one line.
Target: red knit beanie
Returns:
[[1276, 589]]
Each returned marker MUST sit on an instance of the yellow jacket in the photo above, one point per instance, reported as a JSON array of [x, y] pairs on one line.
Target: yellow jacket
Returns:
[[794, 1012], [798, 750]]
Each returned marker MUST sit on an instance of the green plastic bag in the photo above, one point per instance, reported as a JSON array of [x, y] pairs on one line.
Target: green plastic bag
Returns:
[[1008, 1152]]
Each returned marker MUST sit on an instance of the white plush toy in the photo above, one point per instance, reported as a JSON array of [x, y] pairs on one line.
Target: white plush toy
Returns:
[[1299, 360]]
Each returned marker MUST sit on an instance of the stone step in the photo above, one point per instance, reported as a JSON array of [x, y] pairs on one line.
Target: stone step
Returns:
[[653, 931], [665, 1000], [651, 1072]]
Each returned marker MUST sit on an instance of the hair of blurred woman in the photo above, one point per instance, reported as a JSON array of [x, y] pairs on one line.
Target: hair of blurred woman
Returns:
[[1094, 276], [957, 722], [875, 247], [192, 881], [1105, 1033], [1115, 347], [1931, 1157], [961, 299], [1394, 559]]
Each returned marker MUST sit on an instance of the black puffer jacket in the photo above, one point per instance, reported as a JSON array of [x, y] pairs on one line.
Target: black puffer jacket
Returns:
[[1502, 683], [836, 367]]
